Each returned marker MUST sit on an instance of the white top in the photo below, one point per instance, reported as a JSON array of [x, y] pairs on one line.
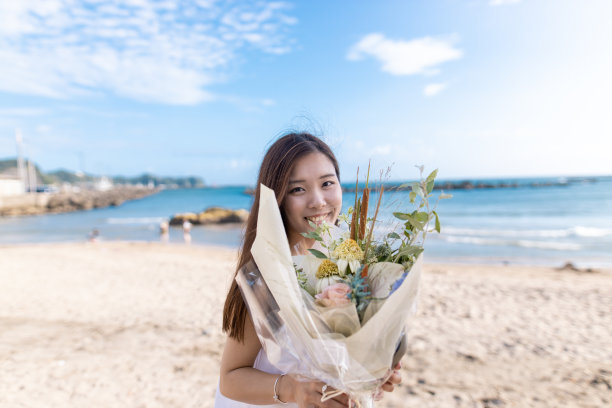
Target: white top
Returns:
[[261, 363]]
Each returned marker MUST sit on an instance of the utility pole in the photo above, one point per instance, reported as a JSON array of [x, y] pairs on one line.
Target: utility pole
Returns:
[[31, 176], [20, 166]]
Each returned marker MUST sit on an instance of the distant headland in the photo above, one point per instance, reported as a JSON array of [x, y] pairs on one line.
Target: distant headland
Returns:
[[489, 183], [9, 168], [26, 190]]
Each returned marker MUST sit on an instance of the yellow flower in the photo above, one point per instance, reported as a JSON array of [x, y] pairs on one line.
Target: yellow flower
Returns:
[[349, 254], [349, 250], [326, 269]]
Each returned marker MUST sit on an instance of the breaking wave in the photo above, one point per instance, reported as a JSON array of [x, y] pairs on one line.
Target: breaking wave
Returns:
[[558, 246], [134, 221], [584, 232]]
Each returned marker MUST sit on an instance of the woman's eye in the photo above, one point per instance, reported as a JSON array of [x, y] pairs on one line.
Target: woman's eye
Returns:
[[296, 190], [328, 183]]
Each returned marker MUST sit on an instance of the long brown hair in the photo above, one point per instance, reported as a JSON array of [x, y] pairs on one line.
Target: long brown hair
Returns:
[[274, 173]]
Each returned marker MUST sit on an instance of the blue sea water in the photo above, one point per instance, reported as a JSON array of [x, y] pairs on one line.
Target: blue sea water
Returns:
[[528, 224]]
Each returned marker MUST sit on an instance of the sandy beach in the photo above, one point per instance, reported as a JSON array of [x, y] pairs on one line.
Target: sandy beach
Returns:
[[138, 325]]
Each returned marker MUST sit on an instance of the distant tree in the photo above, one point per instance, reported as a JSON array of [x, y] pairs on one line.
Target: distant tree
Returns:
[[66, 176]]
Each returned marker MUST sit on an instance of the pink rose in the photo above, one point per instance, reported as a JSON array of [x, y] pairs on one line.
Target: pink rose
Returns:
[[334, 295]]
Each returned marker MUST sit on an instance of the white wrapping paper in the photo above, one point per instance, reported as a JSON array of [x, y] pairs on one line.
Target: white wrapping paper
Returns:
[[294, 333]]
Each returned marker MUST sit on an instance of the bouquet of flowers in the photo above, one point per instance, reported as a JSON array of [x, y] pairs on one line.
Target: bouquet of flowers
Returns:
[[338, 314]]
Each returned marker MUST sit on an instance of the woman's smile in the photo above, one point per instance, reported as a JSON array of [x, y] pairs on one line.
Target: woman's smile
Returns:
[[319, 218], [314, 196]]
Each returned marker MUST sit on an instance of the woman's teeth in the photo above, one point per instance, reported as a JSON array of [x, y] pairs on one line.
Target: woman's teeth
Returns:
[[317, 219]]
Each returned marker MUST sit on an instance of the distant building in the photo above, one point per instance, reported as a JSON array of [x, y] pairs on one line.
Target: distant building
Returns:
[[10, 186], [103, 184]]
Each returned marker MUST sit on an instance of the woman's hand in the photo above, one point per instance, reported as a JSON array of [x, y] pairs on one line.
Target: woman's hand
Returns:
[[394, 379], [308, 394]]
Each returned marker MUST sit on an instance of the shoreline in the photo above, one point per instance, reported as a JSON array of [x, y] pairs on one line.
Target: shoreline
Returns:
[[496, 237]]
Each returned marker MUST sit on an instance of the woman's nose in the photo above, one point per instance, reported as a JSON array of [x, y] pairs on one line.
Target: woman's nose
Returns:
[[317, 199]]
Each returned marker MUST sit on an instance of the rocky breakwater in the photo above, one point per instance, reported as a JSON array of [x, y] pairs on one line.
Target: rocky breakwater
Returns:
[[212, 215], [44, 203]]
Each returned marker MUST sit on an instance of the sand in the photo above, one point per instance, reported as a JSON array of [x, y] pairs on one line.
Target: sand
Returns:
[[138, 325]]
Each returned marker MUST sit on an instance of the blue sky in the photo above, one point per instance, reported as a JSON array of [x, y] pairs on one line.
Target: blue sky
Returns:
[[476, 88]]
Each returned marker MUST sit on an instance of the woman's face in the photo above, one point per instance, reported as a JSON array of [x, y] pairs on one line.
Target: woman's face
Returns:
[[314, 194]]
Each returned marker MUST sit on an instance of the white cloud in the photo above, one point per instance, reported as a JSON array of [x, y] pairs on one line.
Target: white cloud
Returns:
[[383, 150], [401, 154], [247, 104], [433, 89], [43, 128], [22, 111], [503, 2], [149, 50], [237, 163], [418, 56]]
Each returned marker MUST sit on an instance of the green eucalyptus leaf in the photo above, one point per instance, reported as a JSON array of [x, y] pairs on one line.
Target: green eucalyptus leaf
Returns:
[[318, 254], [432, 176], [437, 221], [430, 186], [422, 217], [410, 250], [412, 197], [416, 188], [401, 216], [312, 235], [416, 223], [393, 235]]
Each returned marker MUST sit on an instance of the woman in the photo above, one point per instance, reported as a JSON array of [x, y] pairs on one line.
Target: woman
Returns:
[[303, 172]]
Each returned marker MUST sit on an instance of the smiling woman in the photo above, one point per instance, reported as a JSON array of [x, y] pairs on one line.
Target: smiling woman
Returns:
[[303, 173], [276, 172]]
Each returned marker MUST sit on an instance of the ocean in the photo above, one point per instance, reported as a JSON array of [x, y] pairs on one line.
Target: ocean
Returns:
[[543, 221]]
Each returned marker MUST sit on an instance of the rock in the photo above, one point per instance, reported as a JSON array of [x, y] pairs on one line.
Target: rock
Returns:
[[213, 215], [600, 380], [568, 266], [76, 201], [492, 402], [571, 267], [469, 357], [178, 219]]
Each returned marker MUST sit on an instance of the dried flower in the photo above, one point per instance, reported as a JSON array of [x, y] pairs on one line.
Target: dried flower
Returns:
[[363, 216]]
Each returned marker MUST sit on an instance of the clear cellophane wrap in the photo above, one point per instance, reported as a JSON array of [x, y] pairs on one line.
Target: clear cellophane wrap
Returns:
[[306, 340]]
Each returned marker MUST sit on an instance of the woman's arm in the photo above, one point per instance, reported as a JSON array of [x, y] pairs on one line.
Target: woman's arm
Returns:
[[241, 382]]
